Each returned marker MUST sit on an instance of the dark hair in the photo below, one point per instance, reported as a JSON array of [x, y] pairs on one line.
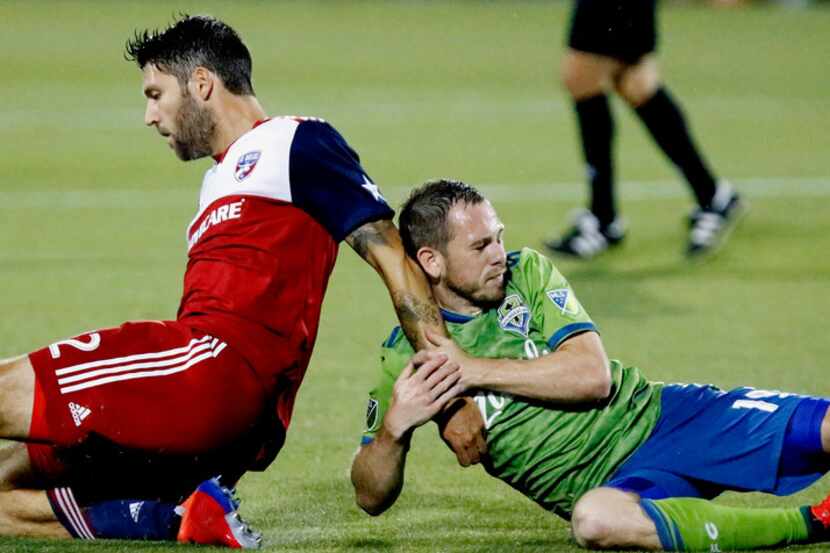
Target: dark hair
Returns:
[[191, 42], [423, 218]]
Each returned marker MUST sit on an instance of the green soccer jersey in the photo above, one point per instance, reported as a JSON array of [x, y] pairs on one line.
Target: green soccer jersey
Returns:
[[552, 453]]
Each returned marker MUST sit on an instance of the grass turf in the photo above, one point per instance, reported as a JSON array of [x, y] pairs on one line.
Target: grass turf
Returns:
[[94, 207]]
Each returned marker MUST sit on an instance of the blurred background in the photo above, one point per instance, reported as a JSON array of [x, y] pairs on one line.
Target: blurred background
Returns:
[[93, 210]]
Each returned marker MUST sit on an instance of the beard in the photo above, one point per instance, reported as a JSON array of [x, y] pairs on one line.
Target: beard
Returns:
[[195, 127], [482, 296]]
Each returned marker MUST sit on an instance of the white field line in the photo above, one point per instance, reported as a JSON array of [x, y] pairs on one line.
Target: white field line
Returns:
[[649, 190], [134, 198]]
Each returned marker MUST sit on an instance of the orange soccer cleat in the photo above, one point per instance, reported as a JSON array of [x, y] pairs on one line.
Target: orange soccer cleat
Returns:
[[210, 517]]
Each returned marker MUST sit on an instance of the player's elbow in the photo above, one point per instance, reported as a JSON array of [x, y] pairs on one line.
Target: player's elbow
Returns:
[[600, 390], [598, 386], [588, 359], [371, 505], [368, 495]]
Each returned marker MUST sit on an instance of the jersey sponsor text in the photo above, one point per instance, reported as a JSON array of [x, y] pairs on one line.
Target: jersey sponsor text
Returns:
[[218, 215]]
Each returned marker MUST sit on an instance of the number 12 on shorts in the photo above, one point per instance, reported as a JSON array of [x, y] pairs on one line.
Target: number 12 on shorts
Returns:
[[92, 345]]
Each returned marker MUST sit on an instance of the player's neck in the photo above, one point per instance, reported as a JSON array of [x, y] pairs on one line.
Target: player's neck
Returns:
[[452, 301], [237, 115]]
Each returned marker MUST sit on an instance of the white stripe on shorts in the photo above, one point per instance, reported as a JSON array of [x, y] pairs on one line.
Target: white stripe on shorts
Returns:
[[133, 366], [130, 358], [182, 363]]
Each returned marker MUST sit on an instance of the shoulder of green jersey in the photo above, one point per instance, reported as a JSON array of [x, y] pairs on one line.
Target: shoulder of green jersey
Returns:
[[529, 261], [526, 254]]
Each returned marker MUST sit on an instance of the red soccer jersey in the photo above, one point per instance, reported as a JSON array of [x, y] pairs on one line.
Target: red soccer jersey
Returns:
[[261, 249]]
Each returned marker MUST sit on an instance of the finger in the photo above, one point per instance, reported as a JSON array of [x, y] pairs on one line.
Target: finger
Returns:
[[427, 355], [448, 380], [439, 375], [449, 394], [429, 366], [437, 404], [407, 370], [420, 357]]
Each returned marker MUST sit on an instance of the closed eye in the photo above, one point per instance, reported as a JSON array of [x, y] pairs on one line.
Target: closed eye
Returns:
[[152, 93]]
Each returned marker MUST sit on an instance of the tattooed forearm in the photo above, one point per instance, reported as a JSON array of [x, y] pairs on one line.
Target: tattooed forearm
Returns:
[[379, 244], [415, 314], [367, 235]]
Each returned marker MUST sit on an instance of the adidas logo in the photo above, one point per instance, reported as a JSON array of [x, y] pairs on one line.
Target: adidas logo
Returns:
[[79, 413], [135, 508]]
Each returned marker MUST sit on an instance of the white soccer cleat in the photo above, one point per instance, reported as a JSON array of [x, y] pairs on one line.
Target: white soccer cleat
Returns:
[[709, 228], [587, 238]]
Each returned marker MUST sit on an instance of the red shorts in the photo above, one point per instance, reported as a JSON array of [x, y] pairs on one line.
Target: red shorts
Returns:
[[141, 392]]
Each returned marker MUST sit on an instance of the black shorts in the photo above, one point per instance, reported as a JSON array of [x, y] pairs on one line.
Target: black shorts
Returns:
[[622, 29]]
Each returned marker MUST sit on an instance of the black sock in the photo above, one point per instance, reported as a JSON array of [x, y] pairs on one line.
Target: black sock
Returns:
[[596, 128], [664, 120]]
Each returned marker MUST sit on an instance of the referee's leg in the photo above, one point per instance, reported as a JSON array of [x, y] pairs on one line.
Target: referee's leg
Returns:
[[585, 74], [588, 77], [637, 83], [642, 89]]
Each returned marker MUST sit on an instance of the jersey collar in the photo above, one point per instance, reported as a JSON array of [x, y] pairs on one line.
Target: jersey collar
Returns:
[[219, 157], [453, 317]]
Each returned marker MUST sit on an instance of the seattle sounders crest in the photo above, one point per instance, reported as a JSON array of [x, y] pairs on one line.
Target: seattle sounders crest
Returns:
[[514, 315]]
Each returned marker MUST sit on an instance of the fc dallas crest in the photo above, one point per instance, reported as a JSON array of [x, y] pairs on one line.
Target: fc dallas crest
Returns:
[[246, 164]]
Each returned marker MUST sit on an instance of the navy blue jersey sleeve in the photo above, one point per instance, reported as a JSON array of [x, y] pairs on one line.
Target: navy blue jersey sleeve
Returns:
[[328, 182]]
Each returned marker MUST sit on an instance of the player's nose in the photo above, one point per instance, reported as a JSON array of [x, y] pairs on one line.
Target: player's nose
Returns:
[[498, 255], [150, 115], [502, 254]]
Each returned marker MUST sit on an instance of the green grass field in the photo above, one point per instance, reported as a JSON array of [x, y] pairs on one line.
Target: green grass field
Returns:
[[94, 208]]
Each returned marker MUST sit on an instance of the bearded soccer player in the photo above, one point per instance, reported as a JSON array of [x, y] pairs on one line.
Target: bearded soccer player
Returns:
[[142, 411], [631, 463]]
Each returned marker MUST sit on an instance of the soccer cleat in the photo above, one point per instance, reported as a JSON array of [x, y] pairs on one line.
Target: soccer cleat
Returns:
[[587, 237], [709, 228], [210, 517], [821, 512], [818, 520]]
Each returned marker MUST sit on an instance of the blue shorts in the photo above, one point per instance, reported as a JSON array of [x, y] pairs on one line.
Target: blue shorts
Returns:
[[707, 441]]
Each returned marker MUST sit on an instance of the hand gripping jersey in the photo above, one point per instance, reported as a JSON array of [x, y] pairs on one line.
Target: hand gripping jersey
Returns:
[[263, 244], [549, 453]]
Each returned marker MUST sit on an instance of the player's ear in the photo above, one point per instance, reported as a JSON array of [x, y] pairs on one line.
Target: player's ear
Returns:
[[201, 83], [431, 261]]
